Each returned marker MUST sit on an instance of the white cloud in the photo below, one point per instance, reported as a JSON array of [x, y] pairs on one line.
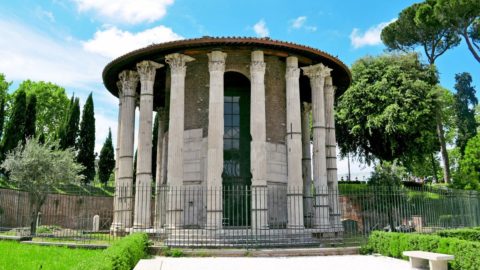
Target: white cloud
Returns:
[[112, 42], [45, 14], [370, 38], [128, 11], [298, 22], [261, 29]]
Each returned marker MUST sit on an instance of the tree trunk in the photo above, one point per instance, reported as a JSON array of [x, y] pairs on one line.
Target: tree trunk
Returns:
[[443, 149], [469, 45], [434, 168]]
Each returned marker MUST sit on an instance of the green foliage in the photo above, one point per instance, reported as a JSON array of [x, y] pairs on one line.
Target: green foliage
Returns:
[[393, 244], [30, 117], [464, 234], [417, 26], [15, 129], [38, 168], [465, 102], [468, 176], [52, 105], [154, 146], [124, 254], [387, 174], [86, 141], [463, 16], [106, 162], [4, 85], [135, 157], [20, 256], [389, 110], [172, 252], [68, 132]]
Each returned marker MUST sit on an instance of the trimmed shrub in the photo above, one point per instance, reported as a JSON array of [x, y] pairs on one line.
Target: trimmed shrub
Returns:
[[124, 254], [393, 244], [465, 234]]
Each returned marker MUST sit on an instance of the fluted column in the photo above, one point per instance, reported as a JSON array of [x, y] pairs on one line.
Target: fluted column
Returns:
[[216, 66], [178, 68], [124, 182], [307, 165], [317, 74], [294, 146], [117, 152], [160, 189], [258, 154], [331, 154], [141, 219]]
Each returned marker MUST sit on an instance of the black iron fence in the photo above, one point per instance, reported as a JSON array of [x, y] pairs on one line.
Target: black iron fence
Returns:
[[241, 216]]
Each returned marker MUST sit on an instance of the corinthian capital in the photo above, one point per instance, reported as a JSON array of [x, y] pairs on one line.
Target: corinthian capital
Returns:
[[317, 71], [177, 62], [120, 91], [257, 67], [129, 81], [147, 70], [307, 107], [216, 61]]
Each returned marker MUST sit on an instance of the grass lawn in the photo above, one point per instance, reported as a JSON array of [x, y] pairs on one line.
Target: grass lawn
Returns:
[[32, 257]]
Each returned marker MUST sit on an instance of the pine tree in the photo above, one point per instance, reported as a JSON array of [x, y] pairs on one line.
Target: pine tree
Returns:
[[465, 102], [31, 117], [15, 129], [69, 131], [106, 163], [154, 147], [86, 141]]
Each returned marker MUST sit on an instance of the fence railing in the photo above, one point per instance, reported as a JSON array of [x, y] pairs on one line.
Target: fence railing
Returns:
[[241, 216]]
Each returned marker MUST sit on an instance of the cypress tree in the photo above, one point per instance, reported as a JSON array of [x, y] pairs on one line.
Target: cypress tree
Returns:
[[106, 162], [86, 141], [69, 131], [2, 114], [31, 117], [154, 147], [135, 166], [465, 102], [15, 129], [4, 85]]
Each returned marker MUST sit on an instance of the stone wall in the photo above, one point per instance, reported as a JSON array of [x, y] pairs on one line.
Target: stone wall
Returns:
[[67, 211]]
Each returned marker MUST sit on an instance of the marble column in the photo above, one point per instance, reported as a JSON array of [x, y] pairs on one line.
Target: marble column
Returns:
[[178, 69], [141, 217], [160, 188], [294, 146], [331, 150], [117, 152], [216, 67], [258, 152], [124, 182], [317, 74], [307, 165]]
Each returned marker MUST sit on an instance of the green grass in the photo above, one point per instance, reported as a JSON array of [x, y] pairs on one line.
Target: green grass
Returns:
[[32, 257]]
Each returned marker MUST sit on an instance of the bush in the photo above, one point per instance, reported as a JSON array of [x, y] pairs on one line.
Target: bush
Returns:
[[465, 234], [393, 244], [124, 254]]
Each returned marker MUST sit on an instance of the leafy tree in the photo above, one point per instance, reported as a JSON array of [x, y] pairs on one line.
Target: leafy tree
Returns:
[[465, 102], [106, 162], [418, 26], [388, 111], [464, 17], [30, 117], [37, 168], [154, 147], [4, 85], [469, 174], [15, 129], [69, 130], [86, 141], [52, 106]]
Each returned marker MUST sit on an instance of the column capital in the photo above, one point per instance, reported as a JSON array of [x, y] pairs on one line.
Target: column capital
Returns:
[[146, 69], [129, 80], [257, 64], [162, 113], [216, 61], [316, 71], [292, 70], [307, 107], [177, 62], [120, 91]]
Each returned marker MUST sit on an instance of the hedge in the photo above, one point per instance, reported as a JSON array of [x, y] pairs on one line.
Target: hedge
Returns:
[[465, 234], [393, 244], [123, 254]]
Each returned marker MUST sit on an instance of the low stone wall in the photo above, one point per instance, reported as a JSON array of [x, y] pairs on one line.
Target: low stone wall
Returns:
[[67, 211]]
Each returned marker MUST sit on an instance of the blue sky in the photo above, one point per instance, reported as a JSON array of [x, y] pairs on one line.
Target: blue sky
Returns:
[[68, 42]]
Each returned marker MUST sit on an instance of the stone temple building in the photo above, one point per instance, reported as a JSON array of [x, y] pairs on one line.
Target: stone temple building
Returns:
[[237, 118]]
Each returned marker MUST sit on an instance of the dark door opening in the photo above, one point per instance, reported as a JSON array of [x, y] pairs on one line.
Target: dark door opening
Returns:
[[236, 151]]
